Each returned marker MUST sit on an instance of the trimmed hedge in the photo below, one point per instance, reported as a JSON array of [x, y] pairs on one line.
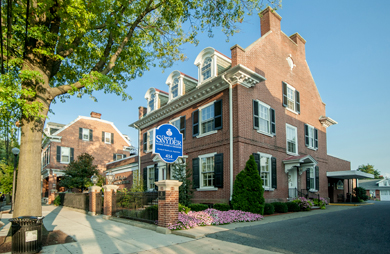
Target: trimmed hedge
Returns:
[[280, 207], [269, 209], [293, 207], [222, 207], [198, 207]]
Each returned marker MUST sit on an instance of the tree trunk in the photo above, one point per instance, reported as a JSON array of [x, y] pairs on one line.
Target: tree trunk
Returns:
[[28, 191]]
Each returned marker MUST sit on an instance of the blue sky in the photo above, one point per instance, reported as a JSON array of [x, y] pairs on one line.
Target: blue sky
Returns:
[[347, 49]]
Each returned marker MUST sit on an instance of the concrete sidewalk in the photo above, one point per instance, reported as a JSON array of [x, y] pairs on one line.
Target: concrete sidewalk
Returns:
[[97, 235]]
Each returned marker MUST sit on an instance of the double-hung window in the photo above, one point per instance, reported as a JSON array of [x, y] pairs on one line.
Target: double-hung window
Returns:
[[85, 134], [151, 179], [206, 69], [176, 123], [263, 118], [207, 117], [108, 137], [291, 138], [291, 98], [148, 141], [311, 137], [312, 179], [265, 170], [65, 154], [207, 171], [151, 102], [175, 88]]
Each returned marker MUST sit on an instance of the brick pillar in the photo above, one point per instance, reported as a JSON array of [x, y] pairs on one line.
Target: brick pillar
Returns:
[[108, 191], [52, 188], [93, 190], [168, 207]]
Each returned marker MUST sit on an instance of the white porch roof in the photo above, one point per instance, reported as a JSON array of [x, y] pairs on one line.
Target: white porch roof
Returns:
[[349, 174]]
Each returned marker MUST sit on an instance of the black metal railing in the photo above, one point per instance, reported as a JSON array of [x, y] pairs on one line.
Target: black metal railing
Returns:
[[140, 206]]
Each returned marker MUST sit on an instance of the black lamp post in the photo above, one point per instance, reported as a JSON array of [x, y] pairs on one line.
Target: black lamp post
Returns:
[[15, 151]]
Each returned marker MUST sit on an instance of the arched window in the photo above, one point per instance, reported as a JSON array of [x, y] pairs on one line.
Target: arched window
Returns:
[[175, 88], [206, 68], [151, 102]]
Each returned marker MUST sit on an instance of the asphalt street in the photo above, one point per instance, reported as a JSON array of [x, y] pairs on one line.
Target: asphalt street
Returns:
[[363, 229]]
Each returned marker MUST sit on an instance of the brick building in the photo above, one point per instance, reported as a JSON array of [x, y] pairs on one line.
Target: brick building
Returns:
[[64, 143], [262, 101]]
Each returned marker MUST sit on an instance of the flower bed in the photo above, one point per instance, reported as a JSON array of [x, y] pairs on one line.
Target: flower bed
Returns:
[[212, 217]]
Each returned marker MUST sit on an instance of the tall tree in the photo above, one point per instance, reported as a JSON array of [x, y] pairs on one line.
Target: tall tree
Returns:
[[58, 48], [369, 169]]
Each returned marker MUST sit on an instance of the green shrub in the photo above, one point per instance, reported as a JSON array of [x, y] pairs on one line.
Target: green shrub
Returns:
[[361, 194], [269, 209], [293, 207], [280, 207], [184, 209], [198, 207], [57, 201], [222, 207], [248, 189]]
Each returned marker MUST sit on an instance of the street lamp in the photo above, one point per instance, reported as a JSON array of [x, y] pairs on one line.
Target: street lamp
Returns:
[[94, 179], [15, 151], [109, 177]]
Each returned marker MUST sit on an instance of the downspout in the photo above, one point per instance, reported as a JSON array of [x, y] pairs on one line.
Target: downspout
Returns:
[[230, 133], [139, 152]]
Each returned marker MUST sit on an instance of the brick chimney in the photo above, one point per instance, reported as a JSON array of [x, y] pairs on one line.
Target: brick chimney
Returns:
[[238, 55], [298, 39], [269, 21], [142, 111], [96, 115]]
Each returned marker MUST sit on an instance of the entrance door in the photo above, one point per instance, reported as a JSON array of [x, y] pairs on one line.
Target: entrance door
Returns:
[[331, 184], [293, 183]]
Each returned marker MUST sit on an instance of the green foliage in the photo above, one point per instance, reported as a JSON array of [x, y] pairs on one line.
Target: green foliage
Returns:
[[269, 209], [222, 207], [361, 194], [183, 208], [57, 201], [248, 190], [183, 174], [78, 173], [137, 185], [6, 177], [280, 207], [198, 207], [369, 169], [293, 207]]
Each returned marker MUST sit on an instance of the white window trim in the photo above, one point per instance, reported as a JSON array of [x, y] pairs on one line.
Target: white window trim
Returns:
[[82, 136], [147, 177], [63, 162], [213, 69], [314, 173], [294, 102], [148, 141], [208, 188], [296, 135], [179, 88], [105, 133], [269, 156], [200, 121], [269, 113], [154, 103], [312, 147], [174, 120]]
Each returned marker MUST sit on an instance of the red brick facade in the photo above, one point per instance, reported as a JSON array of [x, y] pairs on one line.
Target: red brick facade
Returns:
[[279, 59]]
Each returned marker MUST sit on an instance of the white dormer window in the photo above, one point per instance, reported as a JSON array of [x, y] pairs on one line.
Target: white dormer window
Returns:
[[206, 68], [151, 102], [175, 88]]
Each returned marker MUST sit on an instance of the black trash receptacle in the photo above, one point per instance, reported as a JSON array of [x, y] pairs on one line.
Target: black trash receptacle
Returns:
[[26, 234]]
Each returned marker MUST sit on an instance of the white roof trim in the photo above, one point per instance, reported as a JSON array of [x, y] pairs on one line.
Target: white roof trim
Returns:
[[92, 119], [349, 174]]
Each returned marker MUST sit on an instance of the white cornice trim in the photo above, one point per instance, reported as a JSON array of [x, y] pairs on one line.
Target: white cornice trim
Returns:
[[239, 74]]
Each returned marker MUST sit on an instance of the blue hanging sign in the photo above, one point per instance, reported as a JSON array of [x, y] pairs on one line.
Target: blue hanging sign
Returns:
[[168, 143]]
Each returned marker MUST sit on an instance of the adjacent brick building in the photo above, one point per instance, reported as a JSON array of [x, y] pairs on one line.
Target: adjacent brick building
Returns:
[[64, 143], [262, 101]]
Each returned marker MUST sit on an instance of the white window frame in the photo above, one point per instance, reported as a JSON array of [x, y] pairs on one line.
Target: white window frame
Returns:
[[154, 101], [201, 186], [312, 173], [292, 100], [260, 103], [149, 140], [310, 134], [118, 154], [176, 120], [268, 156], [201, 133], [109, 137], [209, 69], [63, 150], [85, 132], [178, 88], [296, 139], [150, 182]]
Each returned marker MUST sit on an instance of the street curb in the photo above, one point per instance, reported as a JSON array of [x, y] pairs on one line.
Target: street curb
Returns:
[[336, 204]]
